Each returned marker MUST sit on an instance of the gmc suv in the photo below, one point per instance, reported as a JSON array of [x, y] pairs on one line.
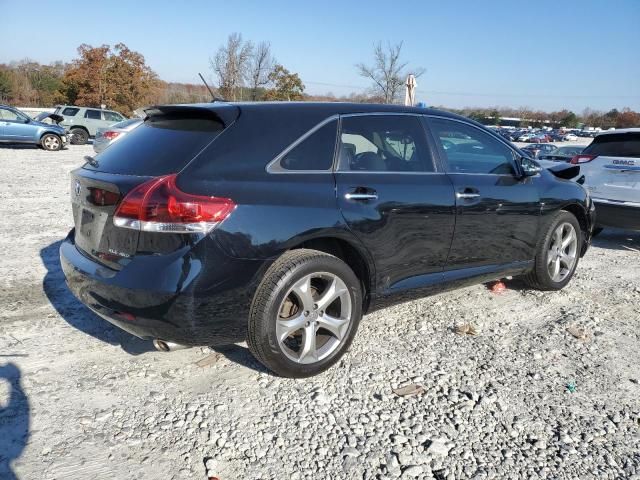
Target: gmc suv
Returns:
[[283, 223]]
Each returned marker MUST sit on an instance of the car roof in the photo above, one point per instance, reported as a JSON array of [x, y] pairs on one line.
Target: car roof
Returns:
[[328, 108], [620, 130]]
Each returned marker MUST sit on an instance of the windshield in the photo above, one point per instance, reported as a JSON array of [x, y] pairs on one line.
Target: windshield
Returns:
[[568, 151]]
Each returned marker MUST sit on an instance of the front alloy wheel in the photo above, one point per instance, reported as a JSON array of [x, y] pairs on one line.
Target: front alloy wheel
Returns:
[[562, 253], [51, 142], [557, 253]]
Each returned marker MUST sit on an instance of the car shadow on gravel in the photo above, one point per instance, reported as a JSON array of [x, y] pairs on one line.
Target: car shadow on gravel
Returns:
[[79, 316], [618, 239], [14, 420], [242, 356]]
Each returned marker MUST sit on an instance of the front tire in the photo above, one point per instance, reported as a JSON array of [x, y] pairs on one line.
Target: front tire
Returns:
[[557, 254], [304, 314], [51, 142]]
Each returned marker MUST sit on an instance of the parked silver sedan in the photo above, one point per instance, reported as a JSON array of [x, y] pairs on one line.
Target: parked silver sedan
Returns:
[[106, 136]]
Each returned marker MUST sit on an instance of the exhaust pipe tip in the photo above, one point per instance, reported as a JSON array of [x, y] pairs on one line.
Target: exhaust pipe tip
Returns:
[[163, 346]]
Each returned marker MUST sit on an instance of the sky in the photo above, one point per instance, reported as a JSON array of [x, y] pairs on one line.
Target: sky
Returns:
[[544, 55]]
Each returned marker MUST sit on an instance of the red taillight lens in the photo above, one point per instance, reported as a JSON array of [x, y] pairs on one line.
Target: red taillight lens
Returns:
[[110, 135], [159, 206], [582, 159], [101, 197]]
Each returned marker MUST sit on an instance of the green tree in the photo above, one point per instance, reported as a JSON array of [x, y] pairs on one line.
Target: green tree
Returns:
[[286, 85], [5, 86]]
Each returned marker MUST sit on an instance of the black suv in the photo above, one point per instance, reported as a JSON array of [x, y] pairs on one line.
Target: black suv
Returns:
[[283, 223]]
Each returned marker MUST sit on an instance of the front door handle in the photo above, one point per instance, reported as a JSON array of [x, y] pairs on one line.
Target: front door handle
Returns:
[[361, 196]]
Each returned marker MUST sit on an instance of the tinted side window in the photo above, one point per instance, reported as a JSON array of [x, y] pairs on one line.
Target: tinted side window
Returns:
[[470, 150], [615, 145], [70, 111], [112, 116], [315, 152], [92, 114], [384, 143]]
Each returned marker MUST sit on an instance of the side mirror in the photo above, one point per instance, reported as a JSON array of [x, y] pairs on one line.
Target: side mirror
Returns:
[[529, 167], [26, 120]]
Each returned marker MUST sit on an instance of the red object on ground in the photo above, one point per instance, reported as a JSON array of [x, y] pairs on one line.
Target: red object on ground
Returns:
[[497, 287]]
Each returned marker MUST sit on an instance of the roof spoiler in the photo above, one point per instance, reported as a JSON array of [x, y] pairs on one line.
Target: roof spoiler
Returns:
[[225, 113]]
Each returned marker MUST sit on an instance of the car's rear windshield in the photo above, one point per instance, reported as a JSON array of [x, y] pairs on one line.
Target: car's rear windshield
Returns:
[[125, 123], [163, 144], [615, 145]]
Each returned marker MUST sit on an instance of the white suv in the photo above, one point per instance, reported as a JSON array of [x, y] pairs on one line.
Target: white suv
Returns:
[[611, 166]]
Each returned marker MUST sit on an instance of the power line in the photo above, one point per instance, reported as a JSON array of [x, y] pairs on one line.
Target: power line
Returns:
[[471, 94]]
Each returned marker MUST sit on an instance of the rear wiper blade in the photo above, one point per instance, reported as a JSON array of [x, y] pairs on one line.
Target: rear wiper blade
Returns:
[[91, 161]]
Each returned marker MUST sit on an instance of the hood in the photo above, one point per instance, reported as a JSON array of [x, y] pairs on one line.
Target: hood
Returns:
[[41, 117], [566, 171]]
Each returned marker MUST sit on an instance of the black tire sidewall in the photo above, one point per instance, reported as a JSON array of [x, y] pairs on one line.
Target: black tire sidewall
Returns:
[[79, 136], [563, 217], [277, 360]]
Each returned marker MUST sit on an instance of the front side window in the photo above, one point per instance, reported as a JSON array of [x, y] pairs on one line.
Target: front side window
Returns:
[[10, 116], [470, 150], [70, 111], [314, 152], [92, 114], [112, 116], [383, 143]]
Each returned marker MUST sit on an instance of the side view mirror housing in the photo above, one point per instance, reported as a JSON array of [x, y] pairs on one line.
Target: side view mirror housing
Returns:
[[529, 167]]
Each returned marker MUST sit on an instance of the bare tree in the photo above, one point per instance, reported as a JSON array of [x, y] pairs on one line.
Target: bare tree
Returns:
[[230, 64], [260, 67], [388, 72]]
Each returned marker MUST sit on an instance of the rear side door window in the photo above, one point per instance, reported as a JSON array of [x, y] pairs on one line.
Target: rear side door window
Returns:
[[467, 149], [92, 114], [383, 143], [313, 152], [70, 111]]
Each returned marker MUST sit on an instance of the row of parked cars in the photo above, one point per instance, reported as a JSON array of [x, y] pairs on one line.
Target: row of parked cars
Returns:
[[67, 124], [537, 136]]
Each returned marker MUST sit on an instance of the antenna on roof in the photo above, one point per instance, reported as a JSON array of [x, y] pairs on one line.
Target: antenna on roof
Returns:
[[213, 97]]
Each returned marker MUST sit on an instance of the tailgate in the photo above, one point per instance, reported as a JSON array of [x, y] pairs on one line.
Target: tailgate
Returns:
[[94, 197], [614, 178]]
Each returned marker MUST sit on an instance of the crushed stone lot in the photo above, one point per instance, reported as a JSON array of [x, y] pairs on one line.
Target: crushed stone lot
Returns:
[[548, 387]]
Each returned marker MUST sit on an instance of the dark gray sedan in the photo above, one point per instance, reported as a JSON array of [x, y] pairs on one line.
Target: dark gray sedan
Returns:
[[106, 136]]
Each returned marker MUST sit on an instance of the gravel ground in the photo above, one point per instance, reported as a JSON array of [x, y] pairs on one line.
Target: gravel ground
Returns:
[[524, 398]]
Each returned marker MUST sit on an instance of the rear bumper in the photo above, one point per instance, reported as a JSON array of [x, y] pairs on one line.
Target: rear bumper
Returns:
[[617, 215], [194, 296]]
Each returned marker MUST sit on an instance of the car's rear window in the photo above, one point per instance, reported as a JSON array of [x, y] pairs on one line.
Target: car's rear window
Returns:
[[163, 144], [615, 145]]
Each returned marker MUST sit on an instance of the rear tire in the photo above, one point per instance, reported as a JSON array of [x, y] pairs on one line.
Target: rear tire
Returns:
[[51, 142], [557, 253], [304, 314], [79, 136]]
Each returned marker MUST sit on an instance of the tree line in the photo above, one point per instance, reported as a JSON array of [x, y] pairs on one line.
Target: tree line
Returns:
[[120, 79]]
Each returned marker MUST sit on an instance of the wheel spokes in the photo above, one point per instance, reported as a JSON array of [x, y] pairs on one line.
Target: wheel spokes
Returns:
[[302, 290], [336, 326], [288, 326], [309, 352], [335, 289]]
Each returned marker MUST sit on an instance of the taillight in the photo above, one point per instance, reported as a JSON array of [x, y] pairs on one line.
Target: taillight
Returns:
[[159, 206], [110, 135], [582, 159], [101, 197]]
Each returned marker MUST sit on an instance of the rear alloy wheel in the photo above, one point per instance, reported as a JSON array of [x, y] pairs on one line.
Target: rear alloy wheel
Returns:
[[305, 313], [79, 136], [51, 142], [557, 256]]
